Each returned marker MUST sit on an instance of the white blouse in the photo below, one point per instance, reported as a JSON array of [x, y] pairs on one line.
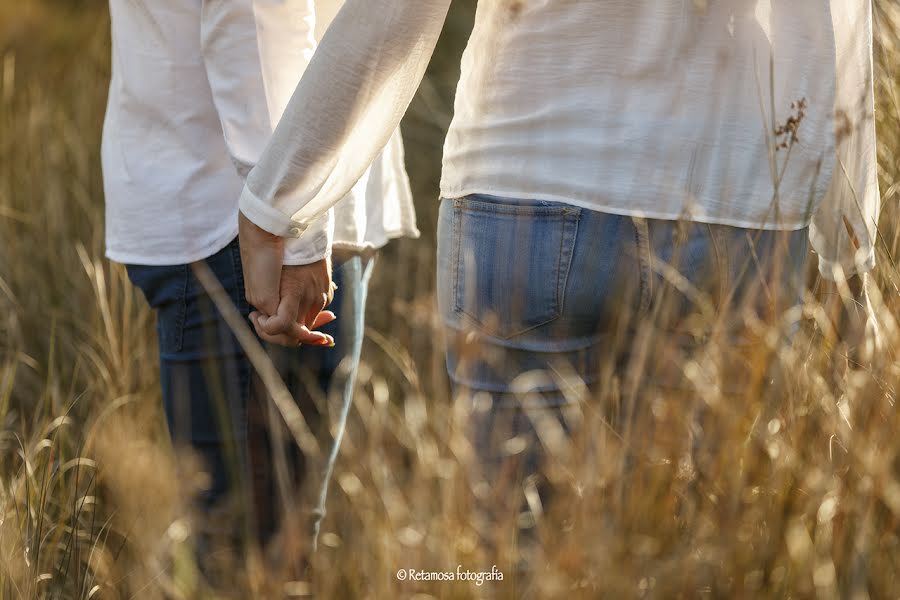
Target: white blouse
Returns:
[[197, 89], [664, 109]]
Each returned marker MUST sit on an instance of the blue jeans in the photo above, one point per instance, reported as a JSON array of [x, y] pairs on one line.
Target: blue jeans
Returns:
[[538, 297], [215, 404]]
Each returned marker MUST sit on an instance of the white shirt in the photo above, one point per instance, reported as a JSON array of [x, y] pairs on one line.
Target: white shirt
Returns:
[[197, 89], [665, 109]]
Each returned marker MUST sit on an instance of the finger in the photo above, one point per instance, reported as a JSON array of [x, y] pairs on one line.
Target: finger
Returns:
[[284, 320], [296, 336], [313, 338], [313, 308], [281, 339], [325, 317]]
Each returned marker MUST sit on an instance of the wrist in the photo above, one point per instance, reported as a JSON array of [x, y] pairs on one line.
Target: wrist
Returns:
[[248, 230]]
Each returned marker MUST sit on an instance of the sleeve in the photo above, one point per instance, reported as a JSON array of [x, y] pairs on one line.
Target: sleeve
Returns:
[[254, 52], [844, 228], [351, 99]]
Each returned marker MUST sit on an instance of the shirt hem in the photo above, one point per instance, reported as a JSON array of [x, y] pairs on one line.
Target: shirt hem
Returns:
[[389, 236], [643, 214], [129, 258]]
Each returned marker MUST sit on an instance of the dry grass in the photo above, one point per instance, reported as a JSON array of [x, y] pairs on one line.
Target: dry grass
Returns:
[[795, 494]]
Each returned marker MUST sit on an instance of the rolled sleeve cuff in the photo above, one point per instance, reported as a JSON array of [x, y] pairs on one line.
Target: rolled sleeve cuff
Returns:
[[833, 270], [314, 245], [268, 217], [305, 243]]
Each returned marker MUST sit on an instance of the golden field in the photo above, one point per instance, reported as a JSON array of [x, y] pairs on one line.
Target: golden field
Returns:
[[795, 495]]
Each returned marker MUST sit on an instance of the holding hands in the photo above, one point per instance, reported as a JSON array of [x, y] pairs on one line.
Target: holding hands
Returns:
[[290, 301]]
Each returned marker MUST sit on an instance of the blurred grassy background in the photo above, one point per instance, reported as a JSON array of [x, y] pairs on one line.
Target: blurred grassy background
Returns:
[[805, 502]]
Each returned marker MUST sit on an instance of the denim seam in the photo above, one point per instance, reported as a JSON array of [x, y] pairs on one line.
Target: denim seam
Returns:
[[524, 211], [246, 370], [457, 251], [642, 240], [178, 342], [570, 235], [242, 304]]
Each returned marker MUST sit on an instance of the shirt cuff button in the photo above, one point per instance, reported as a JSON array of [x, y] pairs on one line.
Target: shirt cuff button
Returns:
[[295, 231]]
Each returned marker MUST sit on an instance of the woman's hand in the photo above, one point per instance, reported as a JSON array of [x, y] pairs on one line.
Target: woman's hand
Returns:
[[290, 301], [851, 311]]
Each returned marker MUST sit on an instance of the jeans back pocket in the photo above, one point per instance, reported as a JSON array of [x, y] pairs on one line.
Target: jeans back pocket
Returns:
[[165, 288], [512, 261]]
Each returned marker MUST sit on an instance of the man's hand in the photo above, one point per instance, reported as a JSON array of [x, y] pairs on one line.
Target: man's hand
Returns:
[[305, 293], [853, 316], [851, 311], [262, 254], [290, 300]]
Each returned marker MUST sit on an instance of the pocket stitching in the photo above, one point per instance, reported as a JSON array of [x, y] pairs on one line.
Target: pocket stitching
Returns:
[[563, 274], [568, 216], [524, 210]]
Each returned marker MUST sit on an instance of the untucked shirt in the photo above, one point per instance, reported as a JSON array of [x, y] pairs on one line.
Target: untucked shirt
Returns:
[[751, 113], [197, 89]]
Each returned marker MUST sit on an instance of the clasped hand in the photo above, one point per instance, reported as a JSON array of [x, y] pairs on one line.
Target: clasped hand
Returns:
[[290, 301]]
